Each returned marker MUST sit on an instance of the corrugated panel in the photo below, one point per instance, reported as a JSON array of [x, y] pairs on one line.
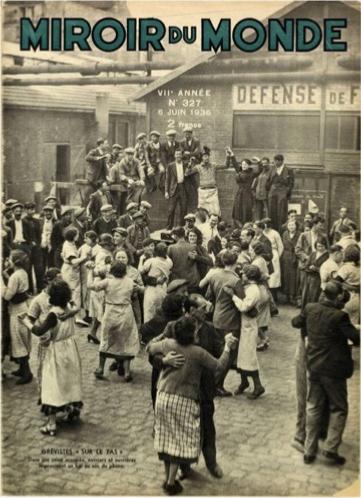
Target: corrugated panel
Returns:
[[72, 97]]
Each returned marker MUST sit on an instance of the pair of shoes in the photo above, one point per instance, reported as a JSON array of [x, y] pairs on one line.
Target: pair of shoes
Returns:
[[334, 458], [256, 393], [93, 339], [298, 445], [81, 322], [216, 471], [128, 377], [87, 319], [173, 489], [99, 374], [113, 366], [241, 388], [307, 459], [48, 430], [25, 380], [275, 312], [17, 373], [222, 392]]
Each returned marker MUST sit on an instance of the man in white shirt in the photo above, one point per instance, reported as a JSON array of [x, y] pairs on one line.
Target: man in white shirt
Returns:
[[347, 238], [209, 229], [330, 267]]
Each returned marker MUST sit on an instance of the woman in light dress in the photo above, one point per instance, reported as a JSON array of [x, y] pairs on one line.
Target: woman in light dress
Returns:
[[119, 332], [247, 362], [61, 388], [70, 270]]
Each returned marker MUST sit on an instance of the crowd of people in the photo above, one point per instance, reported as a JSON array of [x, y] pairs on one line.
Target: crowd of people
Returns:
[[200, 296]]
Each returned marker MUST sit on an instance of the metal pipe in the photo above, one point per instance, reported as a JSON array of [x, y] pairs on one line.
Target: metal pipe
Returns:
[[81, 81], [90, 69], [320, 77], [282, 63]]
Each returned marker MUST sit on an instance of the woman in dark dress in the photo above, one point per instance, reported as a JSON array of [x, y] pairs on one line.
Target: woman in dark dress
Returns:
[[312, 287], [243, 202], [289, 262]]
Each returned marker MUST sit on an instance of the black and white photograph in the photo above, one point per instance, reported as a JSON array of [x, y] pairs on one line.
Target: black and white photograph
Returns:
[[180, 298]]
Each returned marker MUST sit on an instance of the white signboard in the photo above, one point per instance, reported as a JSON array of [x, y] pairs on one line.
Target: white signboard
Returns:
[[277, 96], [343, 97], [295, 96]]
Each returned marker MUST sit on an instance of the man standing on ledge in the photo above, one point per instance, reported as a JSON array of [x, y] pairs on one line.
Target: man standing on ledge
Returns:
[[131, 175], [280, 185], [207, 191], [174, 189]]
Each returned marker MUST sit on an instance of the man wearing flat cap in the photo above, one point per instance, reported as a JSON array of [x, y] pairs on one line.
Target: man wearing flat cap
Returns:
[[126, 219], [97, 166], [57, 235], [189, 225], [105, 223], [168, 148], [21, 230], [137, 233], [98, 199], [115, 156], [36, 253], [156, 169], [129, 174], [144, 208], [51, 200], [191, 144]]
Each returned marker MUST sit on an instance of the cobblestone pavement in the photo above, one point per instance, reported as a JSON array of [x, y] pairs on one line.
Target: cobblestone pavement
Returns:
[[253, 437]]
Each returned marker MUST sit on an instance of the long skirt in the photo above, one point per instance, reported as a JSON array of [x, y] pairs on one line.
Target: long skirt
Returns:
[[247, 351], [177, 431], [242, 207], [71, 276], [208, 199], [275, 277], [153, 298], [20, 335], [119, 333], [61, 374]]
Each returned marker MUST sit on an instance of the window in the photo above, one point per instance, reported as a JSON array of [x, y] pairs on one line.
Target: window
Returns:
[[276, 131], [342, 132], [118, 132]]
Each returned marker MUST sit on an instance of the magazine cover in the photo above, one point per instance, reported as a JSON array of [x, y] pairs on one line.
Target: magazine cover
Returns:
[[180, 248]]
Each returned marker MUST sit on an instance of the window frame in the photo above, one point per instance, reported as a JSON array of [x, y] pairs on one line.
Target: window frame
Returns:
[[340, 114], [314, 113]]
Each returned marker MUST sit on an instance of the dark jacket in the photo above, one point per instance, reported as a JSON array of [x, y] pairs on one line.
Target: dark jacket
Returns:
[[35, 229], [97, 168], [57, 235], [101, 226], [167, 152], [328, 329], [95, 203], [283, 182], [27, 234], [183, 266], [171, 179], [194, 147]]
